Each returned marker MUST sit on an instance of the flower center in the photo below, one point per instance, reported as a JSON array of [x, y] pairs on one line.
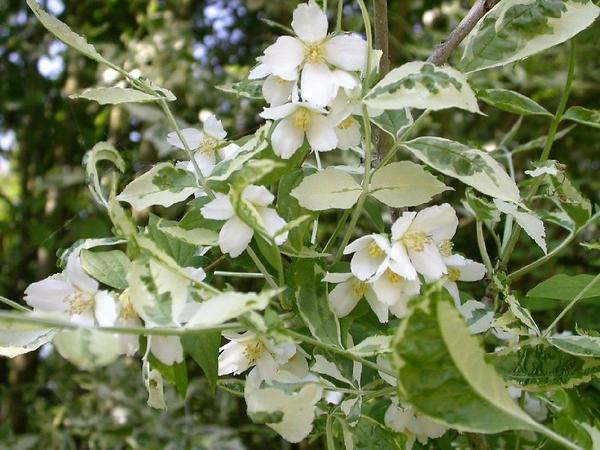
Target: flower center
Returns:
[[453, 274], [393, 277], [253, 351], [79, 302], [208, 145], [127, 312], [416, 241], [359, 288], [280, 80], [375, 251], [346, 123], [446, 247], [315, 52], [301, 119]]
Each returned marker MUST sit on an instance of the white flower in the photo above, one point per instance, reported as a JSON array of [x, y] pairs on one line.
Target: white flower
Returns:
[[277, 89], [298, 120], [324, 60], [167, 349], [248, 350], [235, 235], [420, 239], [75, 294], [371, 256], [347, 128], [206, 145], [389, 292], [411, 423], [461, 269]]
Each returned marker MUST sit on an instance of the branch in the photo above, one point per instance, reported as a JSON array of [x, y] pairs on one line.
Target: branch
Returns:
[[442, 52], [380, 21]]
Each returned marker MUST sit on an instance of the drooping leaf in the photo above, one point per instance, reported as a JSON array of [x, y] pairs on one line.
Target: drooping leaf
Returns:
[[586, 346], [102, 151], [570, 200], [394, 122], [522, 314], [246, 88], [472, 167], [403, 184], [328, 189], [532, 225], [443, 373], [204, 349], [516, 29], [17, 339], [115, 95], [422, 85], [512, 102], [582, 115], [109, 267]]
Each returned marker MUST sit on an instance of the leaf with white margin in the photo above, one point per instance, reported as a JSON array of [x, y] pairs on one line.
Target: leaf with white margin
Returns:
[[522, 314], [227, 306], [325, 367], [442, 371], [162, 185], [115, 96], [153, 381], [328, 189], [373, 345], [404, 183], [102, 151], [422, 85], [478, 316], [470, 166], [532, 225], [587, 346], [88, 349], [546, 168], [291, 414], [584, 116], [196, 236], [394, 122], [17, 339], [511, 101], [109, 267], [515, 29], [594, 434]]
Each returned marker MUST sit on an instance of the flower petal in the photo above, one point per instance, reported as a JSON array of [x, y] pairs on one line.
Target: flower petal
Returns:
[[77, 276], [193, 138], [229, 151], [318, 85], [257, 195], [259, 71], [364, 266], [380, 309], [218, 209], [310, 22], [48, 294], [273, 223], [277, 91], [213, 127], [279, 112], [167, 349], [321, 134], [232, 359], [439, 222], [401, 224], [342, 299], [284, 56], [347, 52], [348, 137], [105, 309], [428, 262], [286, 139], [234, 237], [400, 262]]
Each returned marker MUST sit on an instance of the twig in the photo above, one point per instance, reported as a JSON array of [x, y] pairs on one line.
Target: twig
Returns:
[[380, 21], [443, 51]]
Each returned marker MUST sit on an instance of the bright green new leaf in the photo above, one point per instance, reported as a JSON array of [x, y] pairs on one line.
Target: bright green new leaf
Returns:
[[516, 29], [328, 189], [403, 184], [443, 373], [512, 102], [422, 85], [108, 267], [472, 167]]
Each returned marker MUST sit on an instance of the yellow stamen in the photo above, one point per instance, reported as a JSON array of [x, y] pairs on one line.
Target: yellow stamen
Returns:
[[127, 312], [208, 145], [416, 241], [453, 274], [302, 119], [359, 288], [446, 247], [253, 351], [315, 53], [375, 250], [80, 302], [346, 123], [393, 277], [280, 80]]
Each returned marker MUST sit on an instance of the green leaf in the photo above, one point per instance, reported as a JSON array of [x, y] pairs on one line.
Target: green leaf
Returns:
[[570, 200], [584, 116], [197, 237], [532, 224], [393, 122], [537, 365], [443, 373], [102, 151], [289, 208], [565, 287], [483, 210], [17, 339], [516, 29], [403, 184], [182, 252], [312, 303], [472, 167], [108, 267], [204, 349], [586, 346], [512, 102], [422, 85], [328, 189], [88, 349], [115, 96], [162, 185], [522, 314], [246, 88], [270, 252]]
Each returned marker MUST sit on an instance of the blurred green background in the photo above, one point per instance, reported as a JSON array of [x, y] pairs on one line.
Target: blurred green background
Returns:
[[190, 47]]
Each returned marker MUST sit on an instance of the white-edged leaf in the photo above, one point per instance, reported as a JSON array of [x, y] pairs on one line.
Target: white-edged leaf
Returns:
[[470, 166], [195, 236], [102, 151], [328, 189], [515, 29], [109, 267], [162, 185], [115, 95], [584, 116], [532, 225], [325, 367], [17, 339], [373, 345], [586, 346], [422, 85], [522, 314], [394, 121], [405, 183], [88, 349]]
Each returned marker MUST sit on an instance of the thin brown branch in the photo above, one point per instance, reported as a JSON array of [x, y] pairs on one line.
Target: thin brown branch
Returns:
[[442, 52], [380, 13]]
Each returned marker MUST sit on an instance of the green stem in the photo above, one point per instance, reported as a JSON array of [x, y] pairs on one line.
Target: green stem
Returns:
[[402, 138], [339, 351], [13, 304], [572, 303], [545, 151], [340, 10], [260, 266], [555, 436], [338, 228], [368, 32], [485, 257], [158, 331], [222, 273]]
